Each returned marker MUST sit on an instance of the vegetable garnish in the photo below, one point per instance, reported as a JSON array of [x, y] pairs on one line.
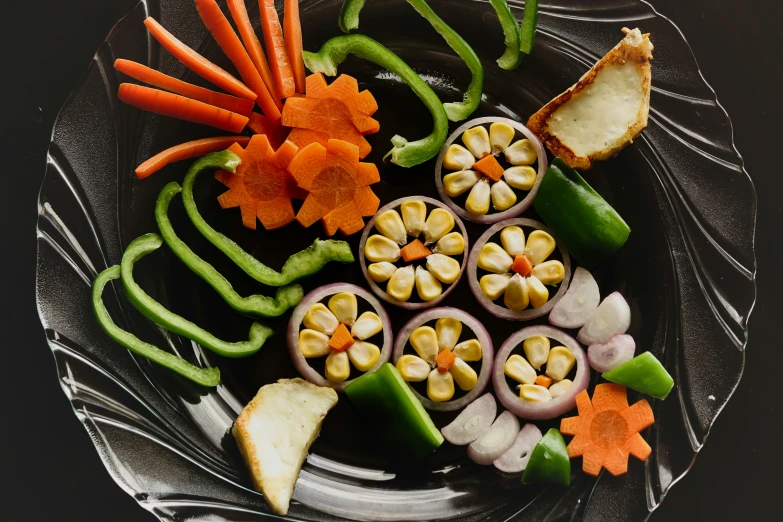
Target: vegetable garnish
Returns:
[[292, 29], [607, 430], [253, 46], [579, 302], [496, 441], [361, 104], [549, 463], [337, 185], [512, 56], [404, 153], [202, 376], [472, 422], [644, 373], [176, 106], [164, 318], [612, 317], [608, 356], [515, 459], [527, 30], [275, 131], [187, 150], [276, 47]]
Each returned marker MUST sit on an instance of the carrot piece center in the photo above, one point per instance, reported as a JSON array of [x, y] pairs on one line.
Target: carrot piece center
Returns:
[[341, 339], [445, 360], [609, 429], [414, 251], [333, 186]]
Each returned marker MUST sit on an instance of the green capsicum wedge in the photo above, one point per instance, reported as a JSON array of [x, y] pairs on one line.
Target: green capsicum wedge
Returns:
[[549, 462], [202, 376], [644, 373], [302, 264], [527, 31], [404, 153], [163, 317], [512, 57], [254, 305]]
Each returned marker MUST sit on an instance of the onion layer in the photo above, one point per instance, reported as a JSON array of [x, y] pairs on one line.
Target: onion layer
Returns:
[[473, 422], [606, 357], [496, 441], [515, 459], [578, 304], [612, 317]]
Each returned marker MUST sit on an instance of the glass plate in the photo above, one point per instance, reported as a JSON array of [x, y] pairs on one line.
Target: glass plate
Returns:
[[687, 270]]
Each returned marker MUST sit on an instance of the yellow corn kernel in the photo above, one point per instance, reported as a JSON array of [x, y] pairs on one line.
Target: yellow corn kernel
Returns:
[[549, 272], [381, 272], [380, 248], [389, 223], [517, 294], [494, 285], [338, 367], [363, 355], [440, 386], [503, 198], [413, 215], [521, 152], [445, 268], [448, 331], [477, 141], [500, 136], [321, 319], [425, 341], [559, 363], [513, 240], [519, 369], [469, 350], [521, 178], [344, 307], [427, 286], [539, 246], [313, 343], [478, 199], [457, 183], [367, 325], [438, 224], [412, 368], [452, 244], [536, 350], [559, 388], [493, 258], [537, 292], [401, 283], [534, 393], [458, 158], [464, 375]]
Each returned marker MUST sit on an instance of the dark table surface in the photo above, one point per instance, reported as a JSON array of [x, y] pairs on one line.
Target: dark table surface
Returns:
[[49, 468]]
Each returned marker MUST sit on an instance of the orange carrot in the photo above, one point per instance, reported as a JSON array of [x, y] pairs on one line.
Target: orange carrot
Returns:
[[274, 130], [197, 63], [176, 106], [543, 380], [362, 105], [227, 39], [293, 42], [445, 360], [414, 251], [183, 151], [490, 167], [522, 265], [341, 339], [276, 49], [319, 120], [144, 74]]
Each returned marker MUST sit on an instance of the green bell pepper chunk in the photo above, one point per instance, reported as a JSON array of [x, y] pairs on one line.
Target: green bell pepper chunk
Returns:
[[549, 463], [387, 403], [527, 32], [405, 153], [512, 57], [302, 264], [644, 373], [202, 376], [586, 224], [172, 322]]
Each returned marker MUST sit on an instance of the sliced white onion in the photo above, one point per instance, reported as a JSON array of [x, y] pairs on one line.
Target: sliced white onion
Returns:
[[316, 296], [612, 317], [608, 356], [496, 441], [540, 410], [473, 422], [501, 311], [579, 303], [523, 204], [481, 335], [515, 459]]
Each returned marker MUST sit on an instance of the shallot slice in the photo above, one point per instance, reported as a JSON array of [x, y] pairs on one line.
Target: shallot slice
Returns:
[[579, 302], [608, 356], [612, 317], [496, 441], [515, 459], [473, 422]]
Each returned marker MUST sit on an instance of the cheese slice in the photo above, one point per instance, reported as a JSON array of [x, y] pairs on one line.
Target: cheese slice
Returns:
[[605, 110], [274, 433]]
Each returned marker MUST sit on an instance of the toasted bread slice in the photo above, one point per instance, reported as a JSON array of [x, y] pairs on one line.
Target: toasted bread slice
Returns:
[[605, 110], [275, 431]]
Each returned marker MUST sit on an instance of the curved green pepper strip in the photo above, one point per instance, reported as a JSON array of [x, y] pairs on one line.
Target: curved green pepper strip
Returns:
[[512, 57], [254, 305], [527, 31], [202, 376], [404, 153], [302, 264], [349, 15], [167, 319]]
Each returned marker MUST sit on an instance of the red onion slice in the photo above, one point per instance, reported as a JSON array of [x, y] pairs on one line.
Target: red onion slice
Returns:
[[473, 422], [316, 296], [496, 441], [607, 357], [579, 303], [501, 311], [612, 317], [380, 292], [540, 410], [482, 336], [518, 208], [516, 458]]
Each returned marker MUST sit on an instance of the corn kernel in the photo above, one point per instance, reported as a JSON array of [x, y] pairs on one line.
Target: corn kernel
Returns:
[[539, 246], [381, 272], [445, 268], [521, 178], [413, 215], [500, 136], [401, 283], [425, 341], [537, 292], [338, 366], [380, 248], [469, 350], [464, 375], [478, 199], [536, 350], [390, 224], [412, 368], [521, 152], [534, 393], [503, 198], [477, 141], [344, 307], [313, 343], [438, 224], [559, 388], [448, 331], [458, 158], [367, 325], [519, 369], [321, 319], [517, 294], [363, 355], [427, 286], [494, 285], [452, 244], [493, 258], [457, 183], [549, 272], [440, 386], [513, 240], [559, 363]]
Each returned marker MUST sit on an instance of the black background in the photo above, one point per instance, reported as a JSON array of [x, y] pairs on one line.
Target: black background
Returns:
[[49, 468]]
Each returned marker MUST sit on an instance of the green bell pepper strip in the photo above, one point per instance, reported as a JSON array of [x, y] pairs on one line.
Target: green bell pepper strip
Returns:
[[512, 57], [349, 15], [527, 31], [644, 373], [302, 264], [549, 462], [587, 225], [202, 376], [254, 305], [404, 153], [387, 403], [163, 317]]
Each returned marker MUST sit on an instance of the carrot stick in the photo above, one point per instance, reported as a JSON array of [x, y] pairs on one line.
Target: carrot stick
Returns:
[[187, 150], [197, 63], [176, 106], [253, 46], [276, 48], [293, 42], [227, 39]]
